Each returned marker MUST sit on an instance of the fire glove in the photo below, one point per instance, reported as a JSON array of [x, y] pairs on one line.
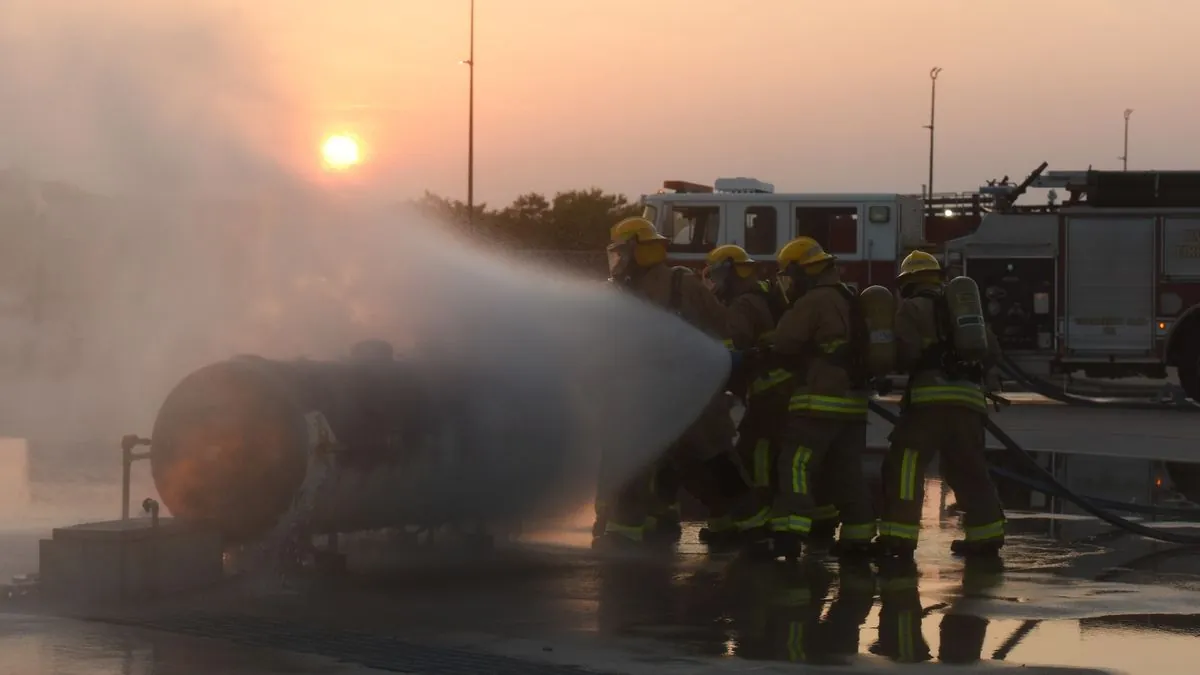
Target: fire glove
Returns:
[[737, 358]]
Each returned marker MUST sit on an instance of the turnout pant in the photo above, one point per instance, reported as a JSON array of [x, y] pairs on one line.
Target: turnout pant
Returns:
[[957, 434], [758, 439], [700, 461], [828, 450]]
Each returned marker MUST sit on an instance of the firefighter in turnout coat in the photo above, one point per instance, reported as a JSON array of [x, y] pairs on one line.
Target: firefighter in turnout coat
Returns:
[[943, 411], [820, 339], [702, 457], [753, 308]]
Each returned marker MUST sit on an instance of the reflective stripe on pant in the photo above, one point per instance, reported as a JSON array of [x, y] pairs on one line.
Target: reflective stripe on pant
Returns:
[[818, 405], [631, 511], [964, 394], [757, 450], [829, 450], [757, 435], [957, 433]]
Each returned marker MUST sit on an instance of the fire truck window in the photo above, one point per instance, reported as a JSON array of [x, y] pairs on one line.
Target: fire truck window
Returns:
[[761, 224], [834, 227], [694, 228]]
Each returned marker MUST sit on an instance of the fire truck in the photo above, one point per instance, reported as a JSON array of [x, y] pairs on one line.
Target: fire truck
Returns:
[[1105, 281], [869, 233]]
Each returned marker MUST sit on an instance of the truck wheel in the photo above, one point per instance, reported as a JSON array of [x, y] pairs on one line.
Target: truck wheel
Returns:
[[1186, 478], [1189, 376]]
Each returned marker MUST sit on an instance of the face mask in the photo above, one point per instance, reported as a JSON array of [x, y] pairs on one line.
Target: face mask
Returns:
[[720, 277], [793, 282], [620, 259]]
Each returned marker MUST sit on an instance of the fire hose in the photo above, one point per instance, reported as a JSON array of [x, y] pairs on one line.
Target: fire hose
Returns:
[[1048, 484], [1043, 388]]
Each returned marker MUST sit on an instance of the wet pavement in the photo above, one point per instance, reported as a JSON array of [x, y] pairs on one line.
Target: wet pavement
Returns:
[[1070, 593]]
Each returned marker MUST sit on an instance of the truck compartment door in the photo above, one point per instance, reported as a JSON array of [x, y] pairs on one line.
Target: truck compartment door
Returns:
[[1110, 285]]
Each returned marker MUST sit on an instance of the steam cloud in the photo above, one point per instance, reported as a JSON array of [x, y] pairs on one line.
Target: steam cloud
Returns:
[[195, 243]]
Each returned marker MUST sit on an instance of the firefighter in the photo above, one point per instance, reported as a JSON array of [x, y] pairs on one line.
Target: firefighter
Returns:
[[947, 351], [821, 339], [703, 454], [753, 312]]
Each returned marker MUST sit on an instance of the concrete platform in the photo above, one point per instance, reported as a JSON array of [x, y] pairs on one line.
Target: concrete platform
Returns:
[[127, 560], [548, 607]]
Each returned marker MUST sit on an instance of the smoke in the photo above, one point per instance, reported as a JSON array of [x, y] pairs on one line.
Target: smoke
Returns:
[[194, 242]]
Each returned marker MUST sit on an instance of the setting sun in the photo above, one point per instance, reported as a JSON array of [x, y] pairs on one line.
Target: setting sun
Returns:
[[340, 152]]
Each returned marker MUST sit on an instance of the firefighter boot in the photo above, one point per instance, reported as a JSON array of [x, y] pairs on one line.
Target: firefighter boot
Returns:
[[787, 545], [721, 535], [664, 529], [854, 550], [890, 550], [601, 521], [986, 548], [823, 532]]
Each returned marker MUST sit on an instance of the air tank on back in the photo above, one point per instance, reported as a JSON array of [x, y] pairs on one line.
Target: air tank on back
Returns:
[[966, 315], [231, 443], [878, 306]]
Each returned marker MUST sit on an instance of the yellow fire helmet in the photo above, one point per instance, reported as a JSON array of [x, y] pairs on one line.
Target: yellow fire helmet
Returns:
[[918, 263], [635, 242], [806, 253], [734, 255], [638, 229]]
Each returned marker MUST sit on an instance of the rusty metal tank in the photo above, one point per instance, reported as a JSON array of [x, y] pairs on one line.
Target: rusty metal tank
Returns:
[[416, 443]]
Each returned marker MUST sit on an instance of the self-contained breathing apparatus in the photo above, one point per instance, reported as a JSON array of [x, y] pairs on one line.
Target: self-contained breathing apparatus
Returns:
[[849, 354], [870, 316], [961, 343]]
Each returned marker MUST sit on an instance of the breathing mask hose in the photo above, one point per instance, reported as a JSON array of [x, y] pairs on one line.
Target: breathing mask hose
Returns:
[[1054, 488], [1034, 384]]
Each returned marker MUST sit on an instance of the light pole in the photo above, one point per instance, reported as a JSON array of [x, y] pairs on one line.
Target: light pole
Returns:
[[1125, 157], [470, 62], [933, 75]]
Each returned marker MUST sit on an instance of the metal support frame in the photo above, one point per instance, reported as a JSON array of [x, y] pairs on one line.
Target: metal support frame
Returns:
[[128, 457]]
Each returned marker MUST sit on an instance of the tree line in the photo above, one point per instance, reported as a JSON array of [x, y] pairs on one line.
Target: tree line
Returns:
[[575, 220]]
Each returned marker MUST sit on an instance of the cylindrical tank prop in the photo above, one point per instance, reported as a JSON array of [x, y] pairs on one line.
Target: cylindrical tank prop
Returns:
[[878, 306], [966, 317], [416, 443]]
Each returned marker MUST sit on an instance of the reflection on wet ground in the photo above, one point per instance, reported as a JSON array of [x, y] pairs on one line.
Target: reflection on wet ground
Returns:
[[1069, 592]]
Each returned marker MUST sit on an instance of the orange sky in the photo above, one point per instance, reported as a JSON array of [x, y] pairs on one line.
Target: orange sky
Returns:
[[808, 94]]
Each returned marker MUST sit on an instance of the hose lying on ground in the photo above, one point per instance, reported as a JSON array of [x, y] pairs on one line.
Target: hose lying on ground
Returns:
[[1057, 489], [1043, 388]]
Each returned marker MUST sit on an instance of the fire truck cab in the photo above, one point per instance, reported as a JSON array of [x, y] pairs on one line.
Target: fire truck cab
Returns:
[[869, 233], [1106, 282]]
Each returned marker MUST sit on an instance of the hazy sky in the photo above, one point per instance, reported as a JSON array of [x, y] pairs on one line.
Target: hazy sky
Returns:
[[622, 94]]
